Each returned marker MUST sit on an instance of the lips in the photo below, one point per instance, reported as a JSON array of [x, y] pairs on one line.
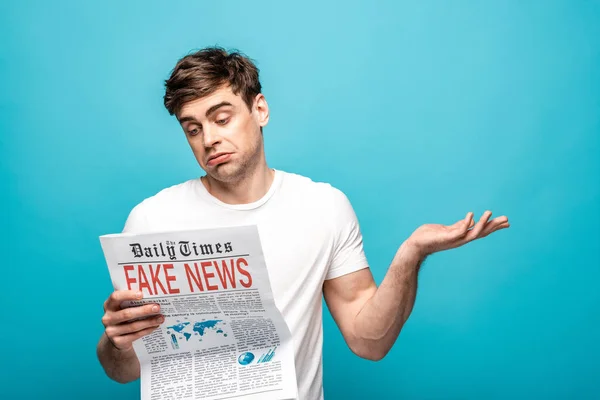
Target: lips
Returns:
[[218, 158]]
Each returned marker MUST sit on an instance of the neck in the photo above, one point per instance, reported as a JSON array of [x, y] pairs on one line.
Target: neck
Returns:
[[250, 188]]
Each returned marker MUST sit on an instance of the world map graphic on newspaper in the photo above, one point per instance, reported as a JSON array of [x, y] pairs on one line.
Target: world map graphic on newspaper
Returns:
[[185, 330]]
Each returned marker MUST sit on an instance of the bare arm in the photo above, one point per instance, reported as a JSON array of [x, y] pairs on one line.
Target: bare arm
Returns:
[[371, 318], [115, 348], [120, 365]]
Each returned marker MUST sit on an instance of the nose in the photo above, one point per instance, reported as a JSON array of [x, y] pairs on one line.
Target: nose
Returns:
[[210, 137]]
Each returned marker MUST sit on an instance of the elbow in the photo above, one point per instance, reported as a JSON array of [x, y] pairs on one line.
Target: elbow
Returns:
[[373, 347], [378, 356], [370, 351], [120, 379]]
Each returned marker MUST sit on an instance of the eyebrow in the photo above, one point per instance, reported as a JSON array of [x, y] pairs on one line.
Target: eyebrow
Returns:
[[210, 111]]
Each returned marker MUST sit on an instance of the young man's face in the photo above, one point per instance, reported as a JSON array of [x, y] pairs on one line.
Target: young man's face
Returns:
[[224, 134]]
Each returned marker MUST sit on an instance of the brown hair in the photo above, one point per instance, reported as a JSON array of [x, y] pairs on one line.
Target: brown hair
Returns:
[[203, 72]]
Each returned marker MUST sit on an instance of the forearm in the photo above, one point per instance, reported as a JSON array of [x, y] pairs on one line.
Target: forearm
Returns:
[[120, 365], [378, 324]]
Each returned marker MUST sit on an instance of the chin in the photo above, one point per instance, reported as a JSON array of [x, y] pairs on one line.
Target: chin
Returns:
[[228, 172]]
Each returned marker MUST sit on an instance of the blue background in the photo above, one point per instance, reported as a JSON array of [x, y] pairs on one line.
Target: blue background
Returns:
[[419, 111]]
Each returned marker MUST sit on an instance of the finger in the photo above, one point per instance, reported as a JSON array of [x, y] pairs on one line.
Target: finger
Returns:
[[118, 296], [127, 314], [500, 220], [493, 228], [468, 221], [497, 222], [462, 222], [494, 223], [471, 224], [125, 341], [113, 331], [478, 228], [460, 228]]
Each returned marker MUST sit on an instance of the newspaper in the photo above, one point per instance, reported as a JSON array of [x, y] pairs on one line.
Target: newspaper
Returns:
[[223, 337]]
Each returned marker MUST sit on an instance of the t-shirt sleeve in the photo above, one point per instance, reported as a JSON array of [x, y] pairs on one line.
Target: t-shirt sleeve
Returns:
[[348, 253]]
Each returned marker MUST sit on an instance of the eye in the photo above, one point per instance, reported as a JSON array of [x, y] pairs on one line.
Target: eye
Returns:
[[194, 132], [223, 121]]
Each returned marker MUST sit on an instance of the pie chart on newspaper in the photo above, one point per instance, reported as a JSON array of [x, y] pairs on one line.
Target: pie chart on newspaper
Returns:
[[184, 331]]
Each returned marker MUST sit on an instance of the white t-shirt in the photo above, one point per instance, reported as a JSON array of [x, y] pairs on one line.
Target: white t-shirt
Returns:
[[309, 233]]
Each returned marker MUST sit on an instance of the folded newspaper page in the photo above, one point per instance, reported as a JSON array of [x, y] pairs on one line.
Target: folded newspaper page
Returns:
[[223, 337]]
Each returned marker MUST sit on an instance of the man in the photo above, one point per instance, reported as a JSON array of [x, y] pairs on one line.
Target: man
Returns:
[[310, 235]]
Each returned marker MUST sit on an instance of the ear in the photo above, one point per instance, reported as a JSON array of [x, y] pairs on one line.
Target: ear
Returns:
[[262, 110]]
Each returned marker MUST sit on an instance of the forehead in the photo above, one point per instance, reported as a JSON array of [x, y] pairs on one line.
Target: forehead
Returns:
[[199, 107]]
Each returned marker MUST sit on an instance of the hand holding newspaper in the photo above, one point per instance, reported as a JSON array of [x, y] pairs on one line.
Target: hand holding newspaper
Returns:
[[223, 337]]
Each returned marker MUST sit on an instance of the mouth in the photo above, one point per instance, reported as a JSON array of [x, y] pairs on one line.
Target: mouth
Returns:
[[218, 158]]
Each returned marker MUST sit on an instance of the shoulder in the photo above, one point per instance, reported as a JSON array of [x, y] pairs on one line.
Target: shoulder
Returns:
[[170, 198], [315, 194], [310, 189]]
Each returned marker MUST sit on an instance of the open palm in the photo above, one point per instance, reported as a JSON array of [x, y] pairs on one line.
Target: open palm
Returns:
[[432, 238]]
